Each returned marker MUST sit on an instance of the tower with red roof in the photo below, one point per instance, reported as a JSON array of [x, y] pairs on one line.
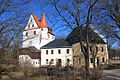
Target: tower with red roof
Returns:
[[37, 32]]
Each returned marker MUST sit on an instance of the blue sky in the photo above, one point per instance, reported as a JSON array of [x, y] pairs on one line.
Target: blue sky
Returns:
[[37, 9]]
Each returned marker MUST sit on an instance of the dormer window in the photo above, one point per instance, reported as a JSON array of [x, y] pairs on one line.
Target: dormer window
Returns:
[[34, 32], [26, 33]]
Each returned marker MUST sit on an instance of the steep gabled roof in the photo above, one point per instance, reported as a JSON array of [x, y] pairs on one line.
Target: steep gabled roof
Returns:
[[32, 52], [93, 37], [44, 22], [41, 23], [38, 21], [57, 43]]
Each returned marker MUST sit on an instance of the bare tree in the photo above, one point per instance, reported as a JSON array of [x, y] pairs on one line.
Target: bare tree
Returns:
[[110, 18], [75, 13], [12, 18]]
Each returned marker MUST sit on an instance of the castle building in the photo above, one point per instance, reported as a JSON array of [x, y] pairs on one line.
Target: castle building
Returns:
[[37, 32]]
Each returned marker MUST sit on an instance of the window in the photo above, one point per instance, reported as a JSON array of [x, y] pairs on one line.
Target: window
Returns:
[[98, 60], [103, 60], [26, 33], [67, 51], [52, 61], [32, 25], [29, 26], [91, 60], [36, 62], [102, 49], [96, 49], [59, 51], [79, 61], [51, 51], [34, 32], [46, 61], [31, 20], [46, 51], [68, 61]]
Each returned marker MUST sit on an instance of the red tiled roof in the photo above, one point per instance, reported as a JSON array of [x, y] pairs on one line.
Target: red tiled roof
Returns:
[[38, 21], [41, 23]]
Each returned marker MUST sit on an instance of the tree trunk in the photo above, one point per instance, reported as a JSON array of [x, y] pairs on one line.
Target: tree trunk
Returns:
[[87, 67], [94, 66]]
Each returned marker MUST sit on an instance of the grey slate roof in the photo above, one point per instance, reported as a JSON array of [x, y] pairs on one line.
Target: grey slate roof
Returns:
[[33, 49], [32, 52], [57, 43], [93, 37]]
